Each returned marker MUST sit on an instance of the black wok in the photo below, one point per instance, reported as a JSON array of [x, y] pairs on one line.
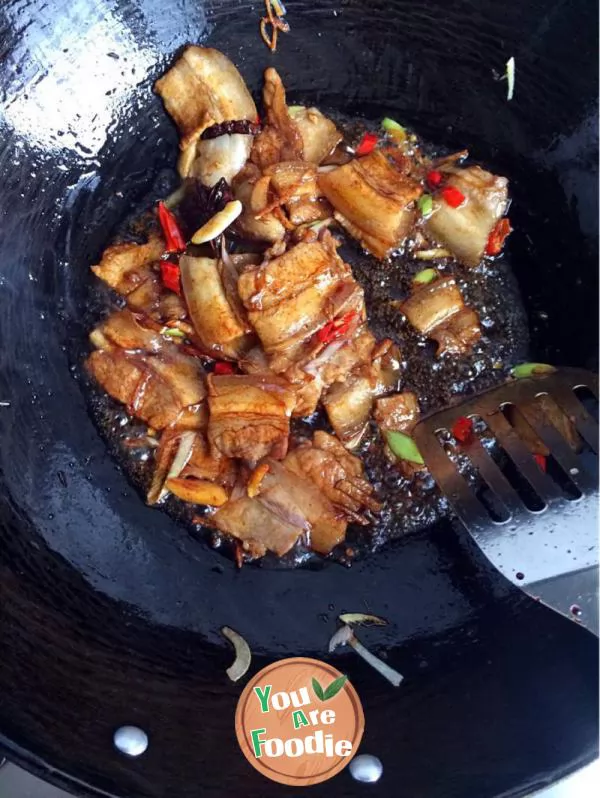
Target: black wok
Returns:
[[109, 612]]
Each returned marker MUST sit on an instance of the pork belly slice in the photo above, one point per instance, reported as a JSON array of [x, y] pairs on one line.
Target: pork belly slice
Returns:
[[126, 267], [373, 200], [303, 134], [438, 311], [249, 416], [162, 389], [201, 89], [349, 402], [337, 473], [291, 297], [259, 529], [465, 230], [217, 315], [399, 412]]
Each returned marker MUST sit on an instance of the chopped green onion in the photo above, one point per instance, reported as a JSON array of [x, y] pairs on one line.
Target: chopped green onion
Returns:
[[425, 204], [510, 77], [425, 276], [293, 110], [391, 126], [531, 370], [172, 332], [317, 226], [404, 447]]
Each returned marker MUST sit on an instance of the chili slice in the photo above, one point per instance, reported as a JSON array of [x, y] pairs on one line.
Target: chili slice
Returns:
[[434, 178], [367, 144], [336, 328], [172, 233], [221, 367], [453, 196], [498, 236], [541, 461], [463, 430], [171, 276]]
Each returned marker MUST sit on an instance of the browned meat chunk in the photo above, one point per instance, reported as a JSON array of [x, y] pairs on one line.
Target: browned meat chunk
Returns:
[[219, 322], [291, 496], [249, 416], [337, 473], [126, 267], [398, 412], [257, 527], [373, 201], [438, 311], [465, 230]]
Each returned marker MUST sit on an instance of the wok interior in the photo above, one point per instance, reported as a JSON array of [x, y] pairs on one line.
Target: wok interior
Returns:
[[109, 600]]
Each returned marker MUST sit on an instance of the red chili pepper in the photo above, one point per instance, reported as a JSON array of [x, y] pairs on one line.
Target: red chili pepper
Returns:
[[367, 144], [498, 236], [434, 178], [453, 196], [172, 233], [171, 276], [336, 328], [463, 430], [541, 461], [223, 368]]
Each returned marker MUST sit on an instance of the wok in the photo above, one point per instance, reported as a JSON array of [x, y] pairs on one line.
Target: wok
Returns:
[[109, 612]]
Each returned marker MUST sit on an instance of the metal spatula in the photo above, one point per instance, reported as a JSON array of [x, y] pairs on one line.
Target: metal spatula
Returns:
[[534, 517]]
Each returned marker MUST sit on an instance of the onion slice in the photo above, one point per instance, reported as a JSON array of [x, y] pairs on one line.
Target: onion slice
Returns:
[[243, 655], [345, 636], [362, 618]]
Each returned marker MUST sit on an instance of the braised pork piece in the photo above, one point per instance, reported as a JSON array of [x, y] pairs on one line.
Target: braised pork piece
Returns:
[[260, 368]]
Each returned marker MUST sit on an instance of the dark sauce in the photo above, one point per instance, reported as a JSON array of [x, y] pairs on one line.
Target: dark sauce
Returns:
[[408, 505]]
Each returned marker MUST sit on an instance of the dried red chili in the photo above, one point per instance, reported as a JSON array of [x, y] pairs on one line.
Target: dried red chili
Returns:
[[336, 328], [434, 178], [540, 459], [498, 236], [463, 430], [453, 196], [221, 367], [171, 276], [173, 237], [367, 144]]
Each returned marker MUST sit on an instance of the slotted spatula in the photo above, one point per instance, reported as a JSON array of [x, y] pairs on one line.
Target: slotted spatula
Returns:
[[538, 527]]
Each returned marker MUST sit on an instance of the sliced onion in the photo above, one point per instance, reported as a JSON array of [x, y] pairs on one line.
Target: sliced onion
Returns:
[[382, 667], [346, 637], [362, 618], [432, 254], [184, 452], [243, 655]]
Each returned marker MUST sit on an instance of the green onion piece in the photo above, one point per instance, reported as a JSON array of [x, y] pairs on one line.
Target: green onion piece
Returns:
[[531, 370], [425, 204], [172, 332], [391, 126], [425, 276], [295, 109], [404, 447], [510, 77]]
